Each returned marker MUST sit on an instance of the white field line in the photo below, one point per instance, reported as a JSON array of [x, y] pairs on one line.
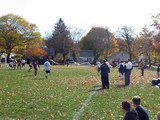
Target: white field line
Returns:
[[84, 105]]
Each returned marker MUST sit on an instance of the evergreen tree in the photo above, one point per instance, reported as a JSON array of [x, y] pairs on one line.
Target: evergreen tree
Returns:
[[60, 39]]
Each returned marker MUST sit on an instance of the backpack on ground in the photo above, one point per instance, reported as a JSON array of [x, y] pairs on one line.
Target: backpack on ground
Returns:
[[155, 82]]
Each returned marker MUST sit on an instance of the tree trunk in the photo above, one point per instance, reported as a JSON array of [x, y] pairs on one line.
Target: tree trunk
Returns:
[[149, 59], [8, 57], [96, 58], [130, 52], [130, 55], [64, 56]]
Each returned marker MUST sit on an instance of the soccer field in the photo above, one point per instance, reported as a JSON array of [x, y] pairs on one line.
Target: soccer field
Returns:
[[72, 93]]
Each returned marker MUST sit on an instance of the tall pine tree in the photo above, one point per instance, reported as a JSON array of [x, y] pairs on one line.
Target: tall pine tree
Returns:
[[61, 39]]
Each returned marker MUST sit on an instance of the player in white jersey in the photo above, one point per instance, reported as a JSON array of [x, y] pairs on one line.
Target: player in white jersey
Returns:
[[47, 67]]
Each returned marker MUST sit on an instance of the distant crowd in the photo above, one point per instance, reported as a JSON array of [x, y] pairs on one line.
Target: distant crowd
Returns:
[[33, 64], [124, 69]]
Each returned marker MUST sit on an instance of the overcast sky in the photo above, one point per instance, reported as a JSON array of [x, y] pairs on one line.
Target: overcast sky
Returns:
[[83, 13]]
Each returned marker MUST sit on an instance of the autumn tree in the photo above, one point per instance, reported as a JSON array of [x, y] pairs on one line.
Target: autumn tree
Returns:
[[33, 50], [76, 35], [122, 45], [16, 32], [126, 33], [144, 44], [100, 40], [156, 35], [61, 39]]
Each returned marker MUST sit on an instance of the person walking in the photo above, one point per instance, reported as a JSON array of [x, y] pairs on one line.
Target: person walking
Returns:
[[142, 113], [142, 68], [121, 69], [127, 70], [105, 70], [47, 67]]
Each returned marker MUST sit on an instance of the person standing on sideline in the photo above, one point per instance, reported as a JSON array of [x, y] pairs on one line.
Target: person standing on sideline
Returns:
[[127, 69], [142, 68], [105, 70], [47, 67], [129, 115], [158, 70], [142, 113], [121, 69]]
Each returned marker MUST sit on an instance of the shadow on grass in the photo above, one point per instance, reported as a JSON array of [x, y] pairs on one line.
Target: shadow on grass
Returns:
[[121, 86], [96, 88], [27, 75], [39, 78], [32, 77]]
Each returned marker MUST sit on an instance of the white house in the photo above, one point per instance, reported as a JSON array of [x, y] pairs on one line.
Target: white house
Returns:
[[86, 56], [120, 56]]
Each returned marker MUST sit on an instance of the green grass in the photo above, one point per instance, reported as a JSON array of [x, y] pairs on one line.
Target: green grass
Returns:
[[24, 96]]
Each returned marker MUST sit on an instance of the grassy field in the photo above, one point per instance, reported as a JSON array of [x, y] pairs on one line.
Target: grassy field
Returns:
[[61, 97]]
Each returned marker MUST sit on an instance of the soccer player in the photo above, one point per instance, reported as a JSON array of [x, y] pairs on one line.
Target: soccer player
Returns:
[[47, 67]]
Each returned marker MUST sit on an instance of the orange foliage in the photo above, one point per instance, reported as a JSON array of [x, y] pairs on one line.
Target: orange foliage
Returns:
[[34, 51], [156, 42]]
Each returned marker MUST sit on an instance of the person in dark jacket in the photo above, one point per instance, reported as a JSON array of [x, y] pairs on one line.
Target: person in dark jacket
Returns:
[[121, 68], [142, 68], [129, 115], [142, 113], [127, 70], [35, 66], [105, 70]]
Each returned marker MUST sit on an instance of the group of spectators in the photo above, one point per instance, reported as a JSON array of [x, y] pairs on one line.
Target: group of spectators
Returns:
[[139, 112], [124, 70]]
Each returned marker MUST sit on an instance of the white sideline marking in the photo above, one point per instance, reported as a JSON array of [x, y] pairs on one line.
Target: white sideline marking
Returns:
[[85, 104]]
